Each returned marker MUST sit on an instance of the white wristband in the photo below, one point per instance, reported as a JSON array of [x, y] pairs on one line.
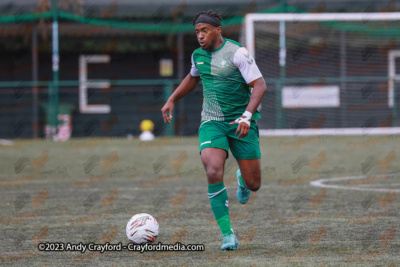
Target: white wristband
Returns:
[[247, 114], [247, 117]]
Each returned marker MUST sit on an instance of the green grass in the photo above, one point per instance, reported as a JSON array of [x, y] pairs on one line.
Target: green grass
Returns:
[[287, 222]]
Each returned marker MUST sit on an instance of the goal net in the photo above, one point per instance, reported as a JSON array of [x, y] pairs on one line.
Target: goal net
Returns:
[[330, 73]]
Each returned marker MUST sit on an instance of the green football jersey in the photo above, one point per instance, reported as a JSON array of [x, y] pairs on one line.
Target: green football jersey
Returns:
[[225, 74]]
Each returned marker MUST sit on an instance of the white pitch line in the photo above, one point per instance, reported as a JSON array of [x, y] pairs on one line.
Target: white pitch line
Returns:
[[381, 185], [320, 183]]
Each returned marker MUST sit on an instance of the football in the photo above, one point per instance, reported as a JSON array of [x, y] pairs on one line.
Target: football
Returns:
[[142, 228]]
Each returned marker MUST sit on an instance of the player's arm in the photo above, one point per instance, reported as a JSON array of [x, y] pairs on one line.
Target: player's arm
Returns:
[[259, 89], [254, 79], [187, 86]]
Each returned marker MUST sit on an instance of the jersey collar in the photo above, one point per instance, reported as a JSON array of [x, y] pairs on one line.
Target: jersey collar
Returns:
[[219, 48]]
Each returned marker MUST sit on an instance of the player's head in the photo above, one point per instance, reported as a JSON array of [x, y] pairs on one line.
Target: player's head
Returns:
[[208, 28]]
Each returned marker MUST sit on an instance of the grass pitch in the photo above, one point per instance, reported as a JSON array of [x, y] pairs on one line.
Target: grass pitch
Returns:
[[85, 190]]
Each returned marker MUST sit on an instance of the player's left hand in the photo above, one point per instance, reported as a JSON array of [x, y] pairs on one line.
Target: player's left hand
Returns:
[[244, 124]]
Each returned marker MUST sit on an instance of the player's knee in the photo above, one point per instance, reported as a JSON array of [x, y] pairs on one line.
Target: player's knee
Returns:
[[254, 186], [253, 181], [214, 174]]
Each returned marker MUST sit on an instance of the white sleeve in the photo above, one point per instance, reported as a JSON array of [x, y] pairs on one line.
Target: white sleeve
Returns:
[[246, 65], [194, 71]]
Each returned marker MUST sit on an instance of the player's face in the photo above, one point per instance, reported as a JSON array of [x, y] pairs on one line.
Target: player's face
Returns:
[[207, 35]]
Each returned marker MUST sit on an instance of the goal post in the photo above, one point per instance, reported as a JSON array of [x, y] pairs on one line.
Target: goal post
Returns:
[[327, 72]]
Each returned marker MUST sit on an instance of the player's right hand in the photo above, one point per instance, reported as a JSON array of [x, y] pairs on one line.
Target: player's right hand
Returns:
[[168, 107]]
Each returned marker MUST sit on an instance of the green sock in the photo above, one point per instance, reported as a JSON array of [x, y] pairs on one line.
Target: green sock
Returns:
[[242, 183], [219, 205]]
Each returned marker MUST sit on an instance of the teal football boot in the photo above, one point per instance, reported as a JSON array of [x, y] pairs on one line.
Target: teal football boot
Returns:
[[243, 193], [230, 242]]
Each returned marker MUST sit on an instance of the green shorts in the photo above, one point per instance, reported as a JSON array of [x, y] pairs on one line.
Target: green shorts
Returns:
[[220, 134]]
